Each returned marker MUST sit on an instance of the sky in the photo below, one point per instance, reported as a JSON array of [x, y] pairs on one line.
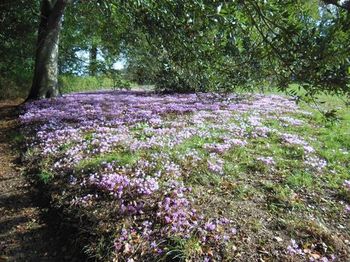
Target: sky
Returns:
[[84, 55]]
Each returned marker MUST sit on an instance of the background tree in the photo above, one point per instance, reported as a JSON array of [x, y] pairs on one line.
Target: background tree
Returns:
[[17, 45], [187, 45], [45, 79], [220, 46]]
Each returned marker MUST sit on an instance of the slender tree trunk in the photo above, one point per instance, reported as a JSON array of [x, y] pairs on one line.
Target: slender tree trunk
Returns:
[[45, 82], [93, 60]]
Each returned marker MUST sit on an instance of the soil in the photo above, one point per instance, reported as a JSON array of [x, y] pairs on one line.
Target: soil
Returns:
[[24, 236]]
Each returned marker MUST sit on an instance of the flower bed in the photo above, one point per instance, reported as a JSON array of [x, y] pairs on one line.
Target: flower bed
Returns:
[[134, 171]]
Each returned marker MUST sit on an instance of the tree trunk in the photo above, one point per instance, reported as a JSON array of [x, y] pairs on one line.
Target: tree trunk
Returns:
[[45, 82], [93, 60]]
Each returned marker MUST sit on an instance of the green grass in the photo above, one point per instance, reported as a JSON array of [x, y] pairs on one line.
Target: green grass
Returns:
[[300, 180], [45, 176], [182, 249], [122, 158], [70, 83]]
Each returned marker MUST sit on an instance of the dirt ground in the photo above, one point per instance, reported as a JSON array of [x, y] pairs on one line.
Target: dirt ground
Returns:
[[23, 234]]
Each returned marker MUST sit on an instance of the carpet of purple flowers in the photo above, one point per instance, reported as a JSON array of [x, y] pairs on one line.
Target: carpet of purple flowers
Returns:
[[195, 177]]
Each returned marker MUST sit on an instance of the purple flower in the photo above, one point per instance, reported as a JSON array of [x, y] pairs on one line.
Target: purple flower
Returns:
[[269, 161], [346, 184], [347, 208], [210, 226], [110, 129]]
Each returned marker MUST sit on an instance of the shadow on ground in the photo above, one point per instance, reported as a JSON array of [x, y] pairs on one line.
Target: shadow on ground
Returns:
[[24, 236]]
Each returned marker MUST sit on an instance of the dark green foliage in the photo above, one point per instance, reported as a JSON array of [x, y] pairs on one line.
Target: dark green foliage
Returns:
[[187, 46], [18, 27], [222, 46]]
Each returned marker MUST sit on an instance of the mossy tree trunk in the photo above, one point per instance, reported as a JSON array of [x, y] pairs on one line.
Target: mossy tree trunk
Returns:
[[45, 82]]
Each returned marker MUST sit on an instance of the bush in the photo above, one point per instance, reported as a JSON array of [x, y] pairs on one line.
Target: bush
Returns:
[[118, 81], [71, 83]]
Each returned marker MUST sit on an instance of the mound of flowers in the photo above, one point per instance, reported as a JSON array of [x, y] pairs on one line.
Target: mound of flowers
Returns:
[[121, 163]]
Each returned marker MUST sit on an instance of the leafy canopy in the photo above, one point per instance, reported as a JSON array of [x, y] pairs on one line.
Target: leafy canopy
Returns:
[[194, 45]]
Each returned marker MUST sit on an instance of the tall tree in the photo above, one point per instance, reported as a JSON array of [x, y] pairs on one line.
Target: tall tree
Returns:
[[45, 83], [204, 45]]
